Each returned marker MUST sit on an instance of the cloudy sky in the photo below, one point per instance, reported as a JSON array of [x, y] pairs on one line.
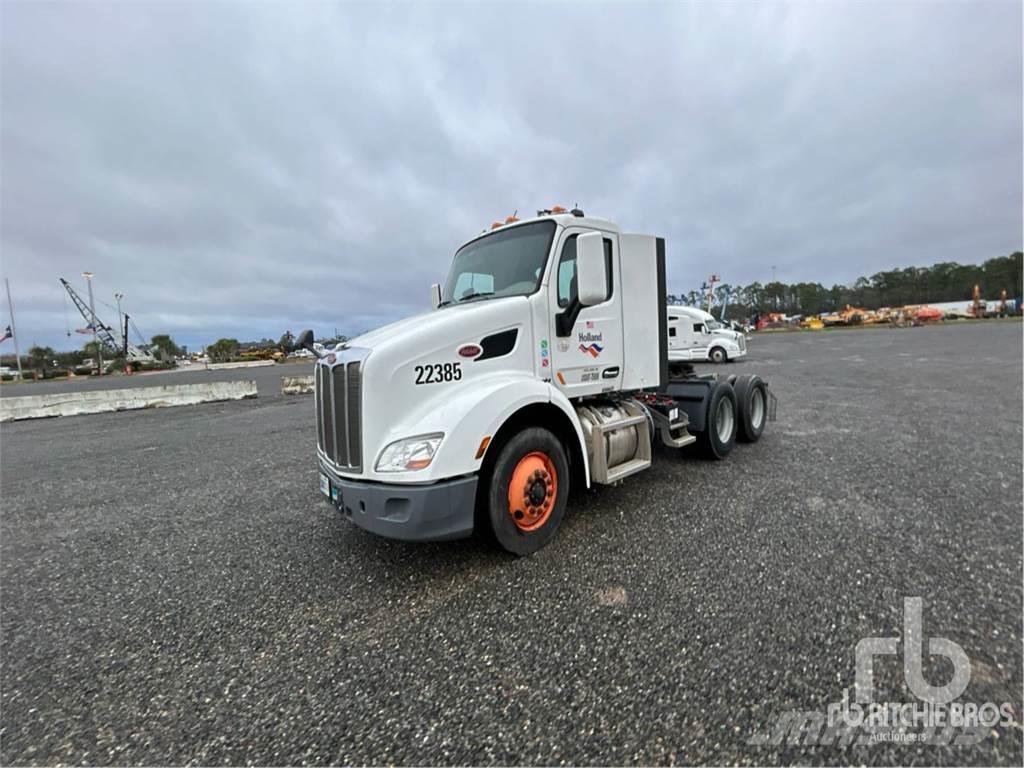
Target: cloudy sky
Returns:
[[236, 169]]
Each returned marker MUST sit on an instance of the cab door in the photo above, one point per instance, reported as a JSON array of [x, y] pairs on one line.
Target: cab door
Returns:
[[586, 356], [700, 339]]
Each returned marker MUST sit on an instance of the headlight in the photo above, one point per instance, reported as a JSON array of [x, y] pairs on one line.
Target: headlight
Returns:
[[410, 454]]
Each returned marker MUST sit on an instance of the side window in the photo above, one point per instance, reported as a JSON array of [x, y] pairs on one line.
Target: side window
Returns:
[[671, 331], [567, 271], [698, 327], [608, 268]]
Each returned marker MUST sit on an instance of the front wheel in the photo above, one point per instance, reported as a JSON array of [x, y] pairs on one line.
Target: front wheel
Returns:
[[529, 485], [718, 355]]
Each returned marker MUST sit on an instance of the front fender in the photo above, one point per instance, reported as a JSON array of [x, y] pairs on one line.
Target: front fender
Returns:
[[468, 414]]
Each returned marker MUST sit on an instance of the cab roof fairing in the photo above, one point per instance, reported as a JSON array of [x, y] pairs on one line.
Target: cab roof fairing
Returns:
[[562, 220]]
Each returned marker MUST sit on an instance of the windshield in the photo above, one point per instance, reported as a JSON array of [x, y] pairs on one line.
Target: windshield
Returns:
[[714, 325], [509, 262]]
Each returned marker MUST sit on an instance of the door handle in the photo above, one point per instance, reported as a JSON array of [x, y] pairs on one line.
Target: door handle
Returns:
[[610, 373]]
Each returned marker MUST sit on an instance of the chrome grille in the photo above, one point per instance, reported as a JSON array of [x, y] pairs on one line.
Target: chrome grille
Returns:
[[338, 408]]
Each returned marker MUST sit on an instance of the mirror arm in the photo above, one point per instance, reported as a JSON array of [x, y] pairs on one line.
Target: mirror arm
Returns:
[[305, 341]]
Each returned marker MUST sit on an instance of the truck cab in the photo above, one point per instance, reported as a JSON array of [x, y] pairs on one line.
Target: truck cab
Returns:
[[541, 366], [695, 335]]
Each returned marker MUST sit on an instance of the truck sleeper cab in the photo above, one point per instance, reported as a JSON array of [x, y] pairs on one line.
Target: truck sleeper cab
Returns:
[[544, 365]]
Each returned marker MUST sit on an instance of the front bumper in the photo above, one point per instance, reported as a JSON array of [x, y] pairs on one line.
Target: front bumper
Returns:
[[437, 512]]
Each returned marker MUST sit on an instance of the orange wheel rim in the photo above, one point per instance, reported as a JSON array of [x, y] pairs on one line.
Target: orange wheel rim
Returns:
[[532, 491]]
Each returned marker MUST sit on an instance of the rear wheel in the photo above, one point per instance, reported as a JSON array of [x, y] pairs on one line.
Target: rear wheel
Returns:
[[719, 435], [718, 355], [752, 405], [529, 486]]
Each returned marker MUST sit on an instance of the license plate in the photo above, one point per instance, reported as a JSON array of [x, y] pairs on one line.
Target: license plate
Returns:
[[325, 486]]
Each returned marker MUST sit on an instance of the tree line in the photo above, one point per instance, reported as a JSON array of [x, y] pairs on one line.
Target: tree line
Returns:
[[946, 281]]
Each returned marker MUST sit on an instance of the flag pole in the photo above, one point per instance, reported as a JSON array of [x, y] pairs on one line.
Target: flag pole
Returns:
[[14, 331]]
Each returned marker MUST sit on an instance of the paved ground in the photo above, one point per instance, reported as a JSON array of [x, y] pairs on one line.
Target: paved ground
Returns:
[[175, 591], [267, 378]]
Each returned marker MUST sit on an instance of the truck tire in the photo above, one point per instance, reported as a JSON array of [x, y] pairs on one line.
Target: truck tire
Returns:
[[752, 404], [718, 355], [529, 486], [719, 435]]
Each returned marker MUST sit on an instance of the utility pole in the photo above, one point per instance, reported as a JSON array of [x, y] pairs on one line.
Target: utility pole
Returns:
[[124, 346], [14, 331], [711, 290], [124, 337], [92, 311], [773, 273]]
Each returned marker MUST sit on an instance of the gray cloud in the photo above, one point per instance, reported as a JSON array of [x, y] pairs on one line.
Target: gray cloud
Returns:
[[241, 169]]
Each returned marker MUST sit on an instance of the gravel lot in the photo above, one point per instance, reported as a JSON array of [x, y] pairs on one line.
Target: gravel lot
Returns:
[[175, 591]]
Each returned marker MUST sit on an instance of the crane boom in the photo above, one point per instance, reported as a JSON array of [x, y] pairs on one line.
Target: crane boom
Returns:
[[103, 331]]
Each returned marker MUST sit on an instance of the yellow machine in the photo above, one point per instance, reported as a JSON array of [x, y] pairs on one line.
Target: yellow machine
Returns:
[[849, 316], [265, 353]]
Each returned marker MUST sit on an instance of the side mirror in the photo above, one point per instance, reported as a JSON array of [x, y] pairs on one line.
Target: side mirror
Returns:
[[435, 295], [305, 341], [591, 279]]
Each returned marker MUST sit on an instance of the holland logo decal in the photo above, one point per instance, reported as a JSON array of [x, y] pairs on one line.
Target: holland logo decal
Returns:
[[594, 350]]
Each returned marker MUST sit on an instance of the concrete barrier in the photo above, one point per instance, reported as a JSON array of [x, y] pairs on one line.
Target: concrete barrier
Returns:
[[246, 364], [105, 400], [296, 385]]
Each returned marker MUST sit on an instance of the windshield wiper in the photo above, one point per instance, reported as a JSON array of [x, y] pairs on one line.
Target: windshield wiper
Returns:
[[475, 295]]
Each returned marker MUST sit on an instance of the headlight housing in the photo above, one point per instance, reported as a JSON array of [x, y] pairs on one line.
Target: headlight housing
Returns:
[[411, 454]]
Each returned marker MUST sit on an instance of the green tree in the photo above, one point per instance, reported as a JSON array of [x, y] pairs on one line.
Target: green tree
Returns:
[[223, 350], [41, 358], [166, 346]]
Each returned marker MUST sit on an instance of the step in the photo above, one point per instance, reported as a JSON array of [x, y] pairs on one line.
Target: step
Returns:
[[673, 441], [612, 426], [631, 467]]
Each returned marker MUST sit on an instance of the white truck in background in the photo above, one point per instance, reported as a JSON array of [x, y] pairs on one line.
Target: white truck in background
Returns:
[[694, 334], [543, 367]]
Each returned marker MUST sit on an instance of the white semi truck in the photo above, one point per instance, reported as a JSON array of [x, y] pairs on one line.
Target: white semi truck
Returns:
[[694, 334], [543, 367]]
